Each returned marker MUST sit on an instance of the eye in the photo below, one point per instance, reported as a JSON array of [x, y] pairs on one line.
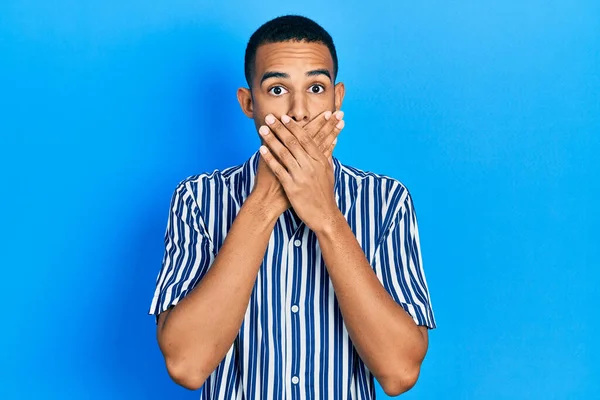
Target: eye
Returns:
[[317, 89], [277, 91]]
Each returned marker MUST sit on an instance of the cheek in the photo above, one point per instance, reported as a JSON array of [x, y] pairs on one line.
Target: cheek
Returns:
[[264, 106], [319, 104], [258, 110]]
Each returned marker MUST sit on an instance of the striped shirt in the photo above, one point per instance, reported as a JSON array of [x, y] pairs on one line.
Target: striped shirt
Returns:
[[293, 343]]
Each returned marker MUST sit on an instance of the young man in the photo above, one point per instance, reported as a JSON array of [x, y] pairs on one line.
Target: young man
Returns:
[[292, 276]]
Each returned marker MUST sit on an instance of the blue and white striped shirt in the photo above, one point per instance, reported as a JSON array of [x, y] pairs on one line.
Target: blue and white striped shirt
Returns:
[[293, 343]]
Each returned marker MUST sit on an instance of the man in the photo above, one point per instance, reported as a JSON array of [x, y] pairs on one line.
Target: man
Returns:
[[292, 276]]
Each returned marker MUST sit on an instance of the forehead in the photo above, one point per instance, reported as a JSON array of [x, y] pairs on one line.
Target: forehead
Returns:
[[290, 55]]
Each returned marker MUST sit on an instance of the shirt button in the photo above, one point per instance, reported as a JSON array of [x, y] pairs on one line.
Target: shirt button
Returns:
[[295, 308], [295, 380], [297, 243]]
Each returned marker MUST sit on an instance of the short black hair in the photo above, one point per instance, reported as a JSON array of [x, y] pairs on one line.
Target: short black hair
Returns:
[[288, 28]]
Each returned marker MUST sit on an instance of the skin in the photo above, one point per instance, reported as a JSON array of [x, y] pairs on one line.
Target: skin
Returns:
[[386, 338], [195, 335], [290, 92], [292, 110]]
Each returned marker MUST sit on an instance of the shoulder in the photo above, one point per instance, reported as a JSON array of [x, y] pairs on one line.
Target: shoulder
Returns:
[[206, 184], [205, 180], [390, 190]]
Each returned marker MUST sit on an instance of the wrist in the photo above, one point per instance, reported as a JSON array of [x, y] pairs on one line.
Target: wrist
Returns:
[[263, 206], [330, 225]]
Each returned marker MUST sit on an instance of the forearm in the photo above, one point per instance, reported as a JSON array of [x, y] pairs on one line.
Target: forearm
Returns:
[[197, 333], [384, 335]]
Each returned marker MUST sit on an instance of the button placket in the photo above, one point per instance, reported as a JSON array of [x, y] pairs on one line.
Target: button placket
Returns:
[[296, 251]]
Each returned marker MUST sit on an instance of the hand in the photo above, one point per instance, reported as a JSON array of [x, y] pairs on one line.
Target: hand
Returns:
[[305, 173], [324, 131]]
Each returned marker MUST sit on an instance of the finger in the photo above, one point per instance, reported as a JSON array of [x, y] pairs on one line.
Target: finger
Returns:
[[332, 136], [287, 138], [311, 150], [328, 128], [277, 149], [329, 151], [314, 126], [278, 170]]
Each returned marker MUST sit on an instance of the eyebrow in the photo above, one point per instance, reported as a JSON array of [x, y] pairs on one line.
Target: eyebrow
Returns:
[[283, 75], [317, 72], [273, 74]]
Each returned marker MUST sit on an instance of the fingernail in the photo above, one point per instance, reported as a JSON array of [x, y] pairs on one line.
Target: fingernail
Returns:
[[263, 130], [340, 125], [270, 119], [334, 141], [285, 119], [263, 150], [327, 115], [340, 115]]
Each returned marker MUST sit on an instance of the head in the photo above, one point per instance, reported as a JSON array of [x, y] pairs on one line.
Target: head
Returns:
[[291, 67]]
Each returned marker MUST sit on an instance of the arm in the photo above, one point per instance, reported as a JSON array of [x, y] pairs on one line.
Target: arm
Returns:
[[386, 337], [195, 335], [384, 334]]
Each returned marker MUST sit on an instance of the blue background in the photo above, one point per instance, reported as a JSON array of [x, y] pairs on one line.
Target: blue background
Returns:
[[489, 111]]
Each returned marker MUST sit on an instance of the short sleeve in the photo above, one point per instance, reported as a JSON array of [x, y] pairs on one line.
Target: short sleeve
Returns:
[[188, 251], [398, 265]]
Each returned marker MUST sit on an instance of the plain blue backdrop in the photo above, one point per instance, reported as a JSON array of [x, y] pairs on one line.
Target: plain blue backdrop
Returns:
[[488, 111]]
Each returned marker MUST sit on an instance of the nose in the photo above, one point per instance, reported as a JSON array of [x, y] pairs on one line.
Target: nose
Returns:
[[299, 108]]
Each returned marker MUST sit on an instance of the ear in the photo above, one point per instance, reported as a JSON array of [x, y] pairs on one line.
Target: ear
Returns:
[[340, 91], [244, 97]]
